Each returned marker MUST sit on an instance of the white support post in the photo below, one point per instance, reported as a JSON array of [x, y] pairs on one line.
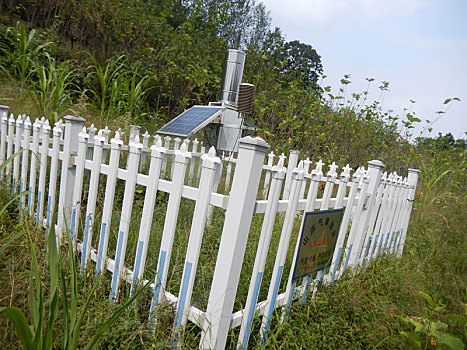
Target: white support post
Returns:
[[251, 153], [413, 180], [73, 126], [291, 165], [210, 165]]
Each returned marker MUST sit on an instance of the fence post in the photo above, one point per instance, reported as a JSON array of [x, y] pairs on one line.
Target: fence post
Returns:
[[375, 171], [413, 179], [251, 153], [292, 164], [3, 132], [73, 126]]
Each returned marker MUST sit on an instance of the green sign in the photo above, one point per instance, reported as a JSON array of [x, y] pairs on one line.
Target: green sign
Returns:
[[318, 240]]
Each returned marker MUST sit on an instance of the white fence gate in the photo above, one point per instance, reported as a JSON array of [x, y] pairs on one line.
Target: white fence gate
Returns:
[[81, 172]]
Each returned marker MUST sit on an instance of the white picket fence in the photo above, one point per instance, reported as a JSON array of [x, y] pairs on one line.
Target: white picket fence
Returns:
[[77, 169]]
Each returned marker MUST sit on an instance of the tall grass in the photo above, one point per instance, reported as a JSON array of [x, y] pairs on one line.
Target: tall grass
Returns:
[[20, 50], [51, 92]]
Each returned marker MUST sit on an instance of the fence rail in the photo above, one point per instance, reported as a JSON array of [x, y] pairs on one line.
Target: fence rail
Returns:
[[120, 201]]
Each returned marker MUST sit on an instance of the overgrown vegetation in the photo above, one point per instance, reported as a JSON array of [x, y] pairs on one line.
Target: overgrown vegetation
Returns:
[[143, 62]]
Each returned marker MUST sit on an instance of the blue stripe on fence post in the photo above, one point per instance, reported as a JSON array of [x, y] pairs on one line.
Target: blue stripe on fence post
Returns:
[[366, 250], [118, 254], [139, 254], [157, 287], [183, 293], [101, 247], [49, 209], [307, 288], [334, 269], [347, 258], [21, 197], [38, 207], [273, 303], [386, 242], [29, 201], [292, 290], [259, 277], [85, 242], [72, 228], [399, 243], [390, 241], [373, 248]]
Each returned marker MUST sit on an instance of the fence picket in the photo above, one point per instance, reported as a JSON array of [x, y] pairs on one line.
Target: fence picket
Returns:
[[44, 151], [294, 194], [210, 163], [17, 143], [78, 186], [53, 175], [180, 163], [23, 185], [135, 149], [157, 154], [92, 197], [278, 175], [36, 129], [115, 148]]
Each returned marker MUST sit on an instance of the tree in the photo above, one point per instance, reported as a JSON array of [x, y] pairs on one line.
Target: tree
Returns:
[[301, 63]]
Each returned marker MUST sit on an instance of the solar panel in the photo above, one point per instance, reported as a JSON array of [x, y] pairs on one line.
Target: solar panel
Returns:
[[190, 121]]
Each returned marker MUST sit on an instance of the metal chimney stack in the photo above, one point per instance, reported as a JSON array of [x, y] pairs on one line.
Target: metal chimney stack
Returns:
[[233, 72]]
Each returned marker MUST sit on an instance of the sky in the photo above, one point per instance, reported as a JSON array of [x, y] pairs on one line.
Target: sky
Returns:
[[418, 46]]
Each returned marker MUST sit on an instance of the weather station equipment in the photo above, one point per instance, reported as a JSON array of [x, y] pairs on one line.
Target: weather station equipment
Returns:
[[222, 121]]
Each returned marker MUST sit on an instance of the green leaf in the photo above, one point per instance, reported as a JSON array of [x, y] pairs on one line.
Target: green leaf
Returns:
[[449, 340], [413, 339], [428, 298], [447, 101], [22, 330]]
